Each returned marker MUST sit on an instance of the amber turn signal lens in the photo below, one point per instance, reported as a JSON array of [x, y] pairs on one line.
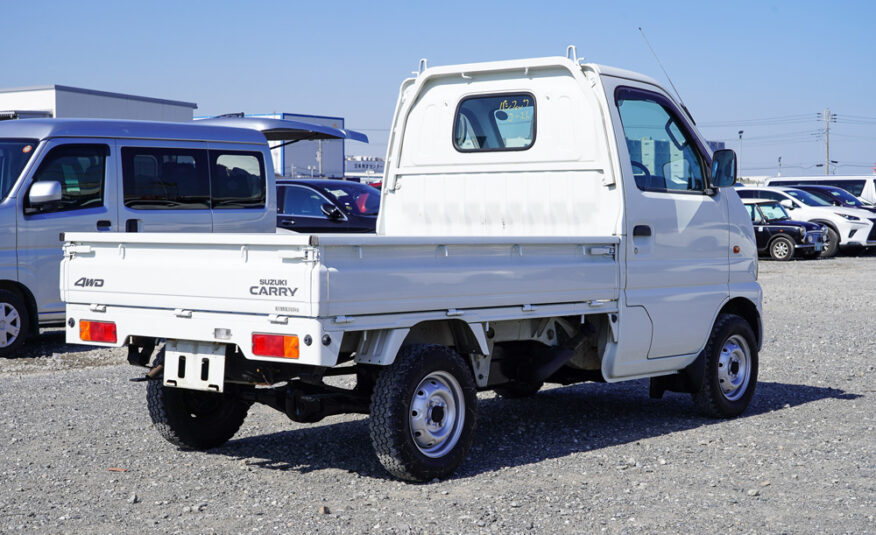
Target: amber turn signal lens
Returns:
[[275, 345], [97, 331]]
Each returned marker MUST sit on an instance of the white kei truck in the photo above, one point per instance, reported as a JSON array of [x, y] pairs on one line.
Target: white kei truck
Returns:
[[542, 220]]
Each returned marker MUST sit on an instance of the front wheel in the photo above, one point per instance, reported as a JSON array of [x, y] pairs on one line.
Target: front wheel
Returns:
[[14, 323], [191, 419], [423, 413], [729, 369], [831, 243], [782, 248]]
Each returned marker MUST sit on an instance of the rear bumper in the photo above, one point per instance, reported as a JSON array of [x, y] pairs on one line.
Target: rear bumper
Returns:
[[212, 327]]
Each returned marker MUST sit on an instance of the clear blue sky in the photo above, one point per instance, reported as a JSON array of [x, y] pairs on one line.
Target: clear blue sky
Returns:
[[737, 65]]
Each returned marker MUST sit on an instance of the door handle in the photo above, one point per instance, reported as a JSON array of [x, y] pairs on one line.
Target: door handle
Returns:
[[641, 231], [288, 223], [132, 225], [104, 224]]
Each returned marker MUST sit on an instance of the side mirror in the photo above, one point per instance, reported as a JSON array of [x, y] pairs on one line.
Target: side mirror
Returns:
[[44, 192], [787, 203], [332, 211], [723, 168]]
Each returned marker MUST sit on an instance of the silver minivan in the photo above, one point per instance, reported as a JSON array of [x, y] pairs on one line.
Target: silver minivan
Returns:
[[62, 175], [81, 175]]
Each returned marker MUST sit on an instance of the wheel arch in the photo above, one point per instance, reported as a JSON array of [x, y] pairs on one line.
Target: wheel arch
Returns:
[[748, 311], [381, 347]]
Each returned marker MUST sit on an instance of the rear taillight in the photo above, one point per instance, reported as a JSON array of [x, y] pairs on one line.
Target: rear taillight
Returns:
[[275, 345], [97, 331]]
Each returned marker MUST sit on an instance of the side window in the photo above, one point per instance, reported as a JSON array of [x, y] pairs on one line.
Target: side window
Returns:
[[165, 179], [772, 195], [302, 201], [855, 187], [80, 169], [237, 179], [495, 123], [663, 155], [753, 213]]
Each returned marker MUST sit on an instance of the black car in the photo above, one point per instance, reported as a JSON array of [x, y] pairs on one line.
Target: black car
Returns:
[[778, 235], [323, 205], [836, 196]]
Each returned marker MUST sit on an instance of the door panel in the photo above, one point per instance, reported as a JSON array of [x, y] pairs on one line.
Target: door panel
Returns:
[[678, 236], [86, 169]]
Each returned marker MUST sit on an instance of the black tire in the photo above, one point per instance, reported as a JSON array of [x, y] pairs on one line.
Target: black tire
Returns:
[[14, 323], [782, 248], [191, 419], [831, 243], [729, 360], [406, 397], [518, 389]]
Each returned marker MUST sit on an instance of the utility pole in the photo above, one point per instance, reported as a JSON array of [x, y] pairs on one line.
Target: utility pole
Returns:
[[739, 152], [319, 157], [780, 166], [828, 118]]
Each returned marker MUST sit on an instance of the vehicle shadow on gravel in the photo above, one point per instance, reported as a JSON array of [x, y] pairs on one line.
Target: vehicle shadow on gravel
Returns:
[[49, 343], [555, 423]]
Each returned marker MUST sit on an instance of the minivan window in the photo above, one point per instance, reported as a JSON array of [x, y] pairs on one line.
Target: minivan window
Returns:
[[14, 155], [237, 180], [80, 169], [165, 179], [495, 123]]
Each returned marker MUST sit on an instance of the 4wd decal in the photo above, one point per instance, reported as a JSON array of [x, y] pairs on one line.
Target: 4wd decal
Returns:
[[84, 282], [275, 287]]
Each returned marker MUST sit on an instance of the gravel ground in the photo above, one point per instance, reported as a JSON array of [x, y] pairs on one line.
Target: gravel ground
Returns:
[[79, 455]]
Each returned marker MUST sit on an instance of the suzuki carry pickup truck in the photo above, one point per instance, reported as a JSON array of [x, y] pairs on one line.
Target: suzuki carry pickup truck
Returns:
[[542, 221]]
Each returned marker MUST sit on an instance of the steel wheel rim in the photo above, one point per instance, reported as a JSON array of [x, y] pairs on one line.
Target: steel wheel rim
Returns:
[[734, 367], [781, 249], [10, 324], [437, 414]]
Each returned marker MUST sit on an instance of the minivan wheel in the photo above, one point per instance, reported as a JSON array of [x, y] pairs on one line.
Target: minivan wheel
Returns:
[[14, 323], [729, 369], [423, 412], [831, 243], [782, 249]]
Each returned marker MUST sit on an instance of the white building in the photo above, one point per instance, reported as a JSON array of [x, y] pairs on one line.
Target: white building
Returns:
[[310, 158], [66, 101], [364, 168]]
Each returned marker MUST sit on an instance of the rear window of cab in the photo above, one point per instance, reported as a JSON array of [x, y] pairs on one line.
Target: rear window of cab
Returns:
[[503, 122]]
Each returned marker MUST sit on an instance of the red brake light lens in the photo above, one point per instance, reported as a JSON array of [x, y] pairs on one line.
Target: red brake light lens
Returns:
[[97, 331], [275, 345]]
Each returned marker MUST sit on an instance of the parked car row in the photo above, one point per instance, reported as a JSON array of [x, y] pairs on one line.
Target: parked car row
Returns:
[[845, 225]]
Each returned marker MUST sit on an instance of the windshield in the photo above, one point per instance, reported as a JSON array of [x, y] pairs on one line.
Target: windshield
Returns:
[[806, 198], [844, 197], [14, 155], [356, 198], [773, 212]]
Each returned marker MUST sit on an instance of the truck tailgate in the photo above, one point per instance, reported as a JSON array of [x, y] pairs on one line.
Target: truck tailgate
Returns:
[[247, 273]]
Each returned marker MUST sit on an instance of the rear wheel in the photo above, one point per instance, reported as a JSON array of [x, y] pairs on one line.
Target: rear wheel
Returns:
[[192, 419], [730, 364], [831, 243], [14, 323], [423, 413], [782, 248]]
